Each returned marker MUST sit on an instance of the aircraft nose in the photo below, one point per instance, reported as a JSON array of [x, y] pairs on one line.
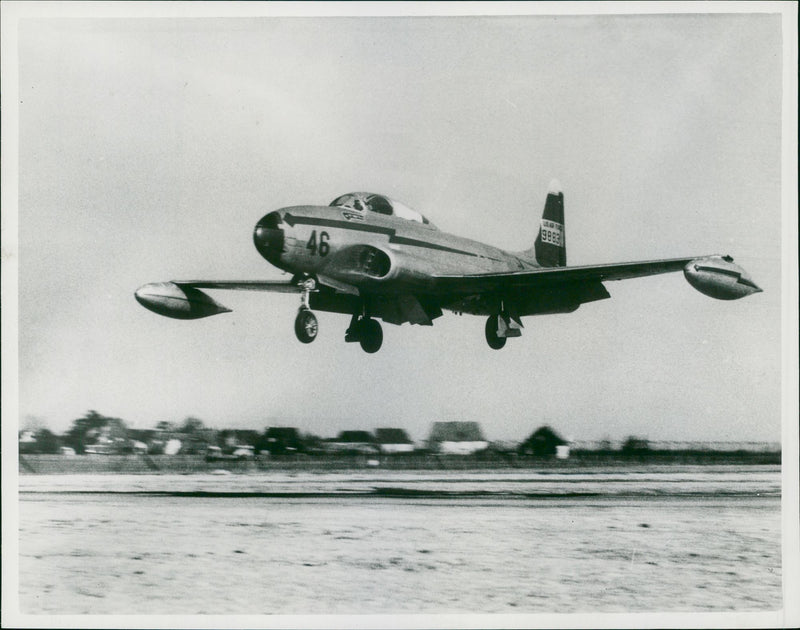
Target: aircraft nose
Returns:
[[268, 236]]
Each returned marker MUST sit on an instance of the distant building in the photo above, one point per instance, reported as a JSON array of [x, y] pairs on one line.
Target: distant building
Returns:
[[240, 453], [393, 441], [140, 448], [281, 441], [457, 438], [244, 451], [353, 442], [545, 442], [246, 437], [504, 446], [635, 446], [196, 441], [27, 442], [106, 440], [166, 440]]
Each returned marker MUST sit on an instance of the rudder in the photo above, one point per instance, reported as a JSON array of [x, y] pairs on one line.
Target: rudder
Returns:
[[550, 249]]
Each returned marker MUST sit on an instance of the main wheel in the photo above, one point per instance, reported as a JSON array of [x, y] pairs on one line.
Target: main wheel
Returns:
[[495, 342], [370, 335], [305, 326]]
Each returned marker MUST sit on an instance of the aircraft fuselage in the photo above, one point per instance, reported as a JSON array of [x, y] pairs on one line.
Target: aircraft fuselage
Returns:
[[376, 259], [316, 240]]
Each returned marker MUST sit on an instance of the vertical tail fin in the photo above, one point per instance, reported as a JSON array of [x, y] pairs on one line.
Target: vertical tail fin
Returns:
[[550, 248]]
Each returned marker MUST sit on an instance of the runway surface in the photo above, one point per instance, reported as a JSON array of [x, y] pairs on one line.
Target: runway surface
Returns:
[[648, 539]]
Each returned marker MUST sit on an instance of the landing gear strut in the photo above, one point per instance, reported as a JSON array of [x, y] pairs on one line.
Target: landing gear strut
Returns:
[[366, 331], [305, 324]]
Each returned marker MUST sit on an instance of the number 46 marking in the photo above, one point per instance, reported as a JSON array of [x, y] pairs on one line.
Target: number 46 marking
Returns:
[[322, 248]]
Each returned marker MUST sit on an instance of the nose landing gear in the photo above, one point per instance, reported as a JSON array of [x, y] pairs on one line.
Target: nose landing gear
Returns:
[[367, 332], [305, 324]]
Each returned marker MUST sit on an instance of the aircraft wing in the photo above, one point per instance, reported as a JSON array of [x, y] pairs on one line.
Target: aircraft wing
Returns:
[[551, 276], [276, 286]]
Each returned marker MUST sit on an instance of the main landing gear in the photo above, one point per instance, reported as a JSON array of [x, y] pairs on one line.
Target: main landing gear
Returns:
[[363, 329], [305, 324], [500, 327], [366, 331]]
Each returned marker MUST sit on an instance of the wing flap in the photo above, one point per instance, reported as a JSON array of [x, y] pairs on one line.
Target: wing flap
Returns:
[[551, 276]]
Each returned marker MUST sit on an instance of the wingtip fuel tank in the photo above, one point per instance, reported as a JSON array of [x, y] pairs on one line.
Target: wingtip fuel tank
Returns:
[[719, 277], [179, 302]]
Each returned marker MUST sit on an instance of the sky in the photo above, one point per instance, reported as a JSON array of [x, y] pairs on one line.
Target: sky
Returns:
[[149, 148]]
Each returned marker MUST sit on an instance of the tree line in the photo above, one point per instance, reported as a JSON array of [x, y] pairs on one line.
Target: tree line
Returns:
[[93, 429]]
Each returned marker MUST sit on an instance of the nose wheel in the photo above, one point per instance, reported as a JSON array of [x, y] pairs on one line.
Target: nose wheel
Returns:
[[305, 326], [367, 332]]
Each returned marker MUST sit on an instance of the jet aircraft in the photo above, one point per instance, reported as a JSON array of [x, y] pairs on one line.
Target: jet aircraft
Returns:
[[373, 258]]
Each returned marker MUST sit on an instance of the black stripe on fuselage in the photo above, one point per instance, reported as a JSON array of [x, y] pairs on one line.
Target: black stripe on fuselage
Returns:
[[390, 232], [345, 225], [402, 240]]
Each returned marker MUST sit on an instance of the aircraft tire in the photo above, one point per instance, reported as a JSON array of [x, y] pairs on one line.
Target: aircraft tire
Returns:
[[305, 326], [370, 335], [495, 342]]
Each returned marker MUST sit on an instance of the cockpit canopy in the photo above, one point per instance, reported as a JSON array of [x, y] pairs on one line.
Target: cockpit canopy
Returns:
[[378, 203]]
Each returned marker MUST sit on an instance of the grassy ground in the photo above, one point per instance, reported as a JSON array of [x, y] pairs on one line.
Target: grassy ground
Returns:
[[186, 464]]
